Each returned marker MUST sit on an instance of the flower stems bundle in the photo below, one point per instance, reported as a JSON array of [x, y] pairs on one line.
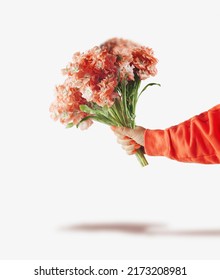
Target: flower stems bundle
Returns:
[[103, 84]]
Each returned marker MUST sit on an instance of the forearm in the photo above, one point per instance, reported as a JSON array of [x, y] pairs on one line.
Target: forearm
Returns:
[[195, 140]]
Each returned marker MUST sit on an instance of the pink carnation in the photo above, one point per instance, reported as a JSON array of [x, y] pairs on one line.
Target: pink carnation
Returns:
[[144, 62], [85, 124], [94, 73], [132, 58], [105, 94], [66, 105], [116, 45]]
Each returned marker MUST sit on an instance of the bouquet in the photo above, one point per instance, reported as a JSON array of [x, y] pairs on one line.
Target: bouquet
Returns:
[[102, 84]]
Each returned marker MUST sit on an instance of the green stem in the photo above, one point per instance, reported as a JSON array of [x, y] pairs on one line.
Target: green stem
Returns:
[[141, 158], [116, 115]]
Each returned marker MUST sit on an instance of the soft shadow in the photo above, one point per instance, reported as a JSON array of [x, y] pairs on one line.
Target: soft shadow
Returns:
[[142, 229], [116, 227]]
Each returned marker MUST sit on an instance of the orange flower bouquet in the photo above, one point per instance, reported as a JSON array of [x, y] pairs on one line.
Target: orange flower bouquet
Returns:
[[103, 84]]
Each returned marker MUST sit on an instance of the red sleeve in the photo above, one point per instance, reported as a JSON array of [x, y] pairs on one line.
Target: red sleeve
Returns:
[[195, 140]]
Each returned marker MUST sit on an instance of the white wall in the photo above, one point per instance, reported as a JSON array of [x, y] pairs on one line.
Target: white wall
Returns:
[[53, 178]]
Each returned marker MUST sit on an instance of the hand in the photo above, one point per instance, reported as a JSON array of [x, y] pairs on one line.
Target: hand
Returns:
[[130, 139]]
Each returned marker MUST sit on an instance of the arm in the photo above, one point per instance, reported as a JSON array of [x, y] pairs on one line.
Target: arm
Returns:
[[195, 140]]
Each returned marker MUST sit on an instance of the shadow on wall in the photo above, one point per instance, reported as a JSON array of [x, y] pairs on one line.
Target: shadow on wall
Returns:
[[142, 229]]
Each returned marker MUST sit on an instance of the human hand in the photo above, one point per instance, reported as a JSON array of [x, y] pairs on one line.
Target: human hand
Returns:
[[130, 139]]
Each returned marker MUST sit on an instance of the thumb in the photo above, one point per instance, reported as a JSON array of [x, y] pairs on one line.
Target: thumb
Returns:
[[124, 131], [137, 134]]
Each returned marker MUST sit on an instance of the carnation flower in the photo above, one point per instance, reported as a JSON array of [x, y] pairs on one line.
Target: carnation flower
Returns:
[[66, 105], [116, 44], [85, 124], [132, 58], [144, 62], [102, 84]]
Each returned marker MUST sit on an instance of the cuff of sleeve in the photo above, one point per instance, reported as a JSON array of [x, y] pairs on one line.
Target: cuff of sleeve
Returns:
[[155, 142]]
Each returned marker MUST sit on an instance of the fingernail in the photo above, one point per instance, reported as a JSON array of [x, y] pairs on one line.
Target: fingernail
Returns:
[[132, 142], [137, 146], [126, 138], [113, 128]]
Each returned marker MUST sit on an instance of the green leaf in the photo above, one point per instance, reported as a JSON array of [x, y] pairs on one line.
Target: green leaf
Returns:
[[86, 109], [99, 118], [69, 125], [104, 111], [148, 85]]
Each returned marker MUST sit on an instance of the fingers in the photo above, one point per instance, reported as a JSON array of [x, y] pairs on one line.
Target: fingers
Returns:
[[129, 139], [127, 144], [123, 140], [136, 133], [130, 150]]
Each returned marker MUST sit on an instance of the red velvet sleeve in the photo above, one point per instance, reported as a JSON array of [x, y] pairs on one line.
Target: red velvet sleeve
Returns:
[[195, 140]]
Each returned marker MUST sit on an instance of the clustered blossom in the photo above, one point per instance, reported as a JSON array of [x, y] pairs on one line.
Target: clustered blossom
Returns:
[[132, 58], [94, 73], [93, 76], [66, 105]]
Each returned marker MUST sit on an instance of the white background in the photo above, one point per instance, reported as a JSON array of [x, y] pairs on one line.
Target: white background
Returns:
[[68, 194]]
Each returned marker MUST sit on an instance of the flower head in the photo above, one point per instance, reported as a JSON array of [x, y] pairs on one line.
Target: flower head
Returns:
[[144, 62], [118, 44], [94, 73], [66, 105], [85, 124], [132, 58]]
